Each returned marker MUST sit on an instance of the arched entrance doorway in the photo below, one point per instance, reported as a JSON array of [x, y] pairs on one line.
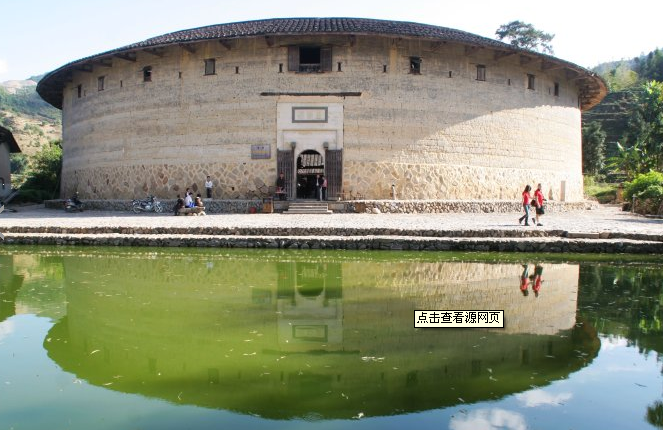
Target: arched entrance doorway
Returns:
[[310, 164]]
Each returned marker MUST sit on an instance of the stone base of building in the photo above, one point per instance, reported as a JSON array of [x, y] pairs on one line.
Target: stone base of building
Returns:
[[349, 206]]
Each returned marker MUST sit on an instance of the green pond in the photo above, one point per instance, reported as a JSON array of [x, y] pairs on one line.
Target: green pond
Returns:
[[106, 338]]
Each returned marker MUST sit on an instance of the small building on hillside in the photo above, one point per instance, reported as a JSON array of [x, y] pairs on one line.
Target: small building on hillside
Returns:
[[8, 146], [427, 112]]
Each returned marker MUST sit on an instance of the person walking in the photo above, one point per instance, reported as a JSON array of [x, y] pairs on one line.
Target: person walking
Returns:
[[527, 199], [318, 187], [324, 188], [280, 186], [539, 199], [208, 186]]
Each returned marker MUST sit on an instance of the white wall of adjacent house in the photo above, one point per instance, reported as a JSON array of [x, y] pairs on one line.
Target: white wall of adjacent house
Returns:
[[5, 170]]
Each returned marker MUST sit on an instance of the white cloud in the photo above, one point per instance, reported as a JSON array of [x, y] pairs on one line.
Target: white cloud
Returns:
[[534, 398], [489, 419], [4, 67], [6, 328]]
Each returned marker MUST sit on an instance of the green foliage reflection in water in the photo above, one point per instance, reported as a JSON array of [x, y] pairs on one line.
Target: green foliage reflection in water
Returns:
[[326, 334]]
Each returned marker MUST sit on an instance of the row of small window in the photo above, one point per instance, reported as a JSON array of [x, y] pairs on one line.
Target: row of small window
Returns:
[[415, 68], [101, 81], [295, 64]]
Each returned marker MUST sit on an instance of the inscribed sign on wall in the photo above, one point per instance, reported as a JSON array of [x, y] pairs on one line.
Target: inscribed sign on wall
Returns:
[[261, 152]]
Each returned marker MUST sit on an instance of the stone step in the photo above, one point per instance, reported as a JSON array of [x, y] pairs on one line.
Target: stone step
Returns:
[[308, 208], [302, 212]]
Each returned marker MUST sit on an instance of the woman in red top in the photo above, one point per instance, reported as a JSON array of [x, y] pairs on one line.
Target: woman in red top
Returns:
[[538, 197], [527, 198]]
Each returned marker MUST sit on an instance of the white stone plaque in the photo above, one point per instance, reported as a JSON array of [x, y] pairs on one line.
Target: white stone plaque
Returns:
[[309, 114]]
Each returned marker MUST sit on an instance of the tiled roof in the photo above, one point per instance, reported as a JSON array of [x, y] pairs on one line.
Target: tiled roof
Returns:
[[51, 86], [298, 26], [7, 136]]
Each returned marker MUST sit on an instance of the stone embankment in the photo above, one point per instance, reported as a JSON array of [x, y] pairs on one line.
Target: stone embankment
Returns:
[[412, 243]]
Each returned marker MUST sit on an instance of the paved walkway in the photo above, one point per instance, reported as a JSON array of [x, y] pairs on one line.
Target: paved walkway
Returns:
[[604, 230], [604, 219]]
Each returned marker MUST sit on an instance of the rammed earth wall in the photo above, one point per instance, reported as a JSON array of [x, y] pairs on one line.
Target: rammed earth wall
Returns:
[[441, 134]]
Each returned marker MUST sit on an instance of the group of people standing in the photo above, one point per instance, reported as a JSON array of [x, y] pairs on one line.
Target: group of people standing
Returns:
[[304, 188], [536, 202]]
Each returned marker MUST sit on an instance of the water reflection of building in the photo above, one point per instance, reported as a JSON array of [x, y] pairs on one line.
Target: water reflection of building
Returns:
[[285, 339], [10, 284], [310, 309]]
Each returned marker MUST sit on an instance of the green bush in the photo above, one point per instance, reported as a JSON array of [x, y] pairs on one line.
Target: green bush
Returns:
[[27, 195], [644, 186]]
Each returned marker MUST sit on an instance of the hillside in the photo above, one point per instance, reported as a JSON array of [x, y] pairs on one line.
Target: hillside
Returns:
[[624, 78], [32, 121]]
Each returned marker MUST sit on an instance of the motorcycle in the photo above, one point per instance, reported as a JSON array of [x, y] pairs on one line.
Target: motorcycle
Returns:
[[147, 205], [73, 205]]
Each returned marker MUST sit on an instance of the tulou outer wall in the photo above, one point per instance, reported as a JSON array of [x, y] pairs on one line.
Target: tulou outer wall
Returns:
[[441, 134]]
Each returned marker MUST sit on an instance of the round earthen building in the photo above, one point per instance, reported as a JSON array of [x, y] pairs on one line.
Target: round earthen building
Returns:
[[382, 109]]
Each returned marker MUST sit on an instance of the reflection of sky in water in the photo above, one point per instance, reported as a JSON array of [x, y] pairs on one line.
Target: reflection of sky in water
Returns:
[[489, 419], [6, 328], [534, 398]]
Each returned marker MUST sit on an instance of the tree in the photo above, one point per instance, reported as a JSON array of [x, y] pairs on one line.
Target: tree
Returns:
[[645, 129], [44, 174], [593, 148], [621, 77], [525, 36]]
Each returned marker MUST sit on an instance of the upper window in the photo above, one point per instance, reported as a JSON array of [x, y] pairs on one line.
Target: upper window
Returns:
[[79, 90], [100, 83], [481, 72], [147, 74], [309, 59], [415, 65], [210, 66], [556, 89], [530, 82]]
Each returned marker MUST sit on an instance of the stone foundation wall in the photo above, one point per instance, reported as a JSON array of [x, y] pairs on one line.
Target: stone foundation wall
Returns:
[[354, 206]]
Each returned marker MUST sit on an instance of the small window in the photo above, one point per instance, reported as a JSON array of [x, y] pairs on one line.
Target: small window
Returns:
[[79, 91], [530, 82], [309, 59], [556, 89], [100, 83], [384, 68], [147, 74], [210, 66], [415, 65], [481, 72]]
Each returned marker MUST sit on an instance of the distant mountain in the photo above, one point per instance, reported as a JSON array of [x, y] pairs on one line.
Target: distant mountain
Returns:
[[32, 121], [13, 86]]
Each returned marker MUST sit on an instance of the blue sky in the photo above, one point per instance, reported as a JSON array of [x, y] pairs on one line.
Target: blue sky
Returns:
[[39, 36]]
